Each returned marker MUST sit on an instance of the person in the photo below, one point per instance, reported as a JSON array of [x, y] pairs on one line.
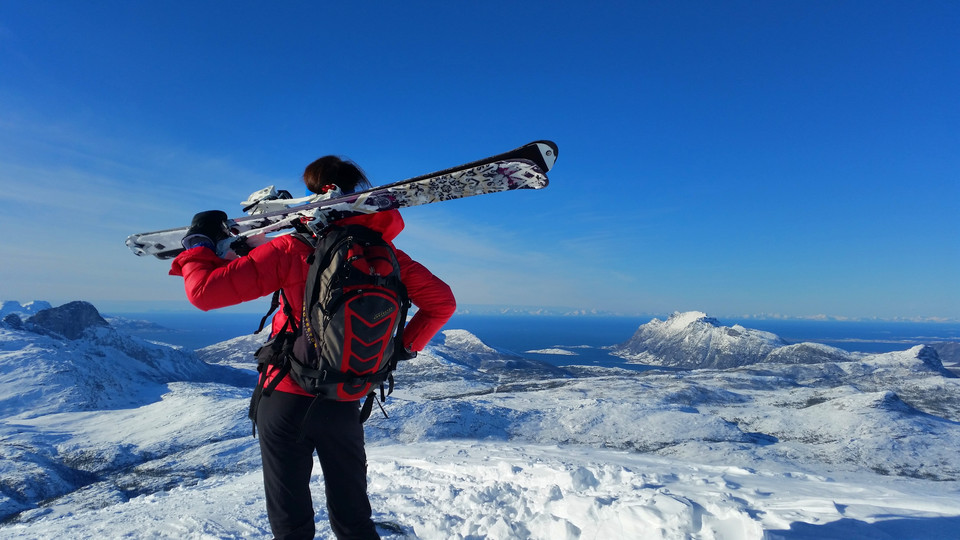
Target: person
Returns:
[[288, 435]]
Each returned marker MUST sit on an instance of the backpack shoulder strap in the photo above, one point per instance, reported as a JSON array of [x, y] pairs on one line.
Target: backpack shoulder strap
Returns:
[[274, 304]]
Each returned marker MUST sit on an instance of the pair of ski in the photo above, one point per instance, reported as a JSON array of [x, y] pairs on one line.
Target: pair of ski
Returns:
[[275, 212]]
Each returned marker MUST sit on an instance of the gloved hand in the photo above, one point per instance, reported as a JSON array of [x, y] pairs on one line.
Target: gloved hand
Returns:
[[406, 354], [206, 229]]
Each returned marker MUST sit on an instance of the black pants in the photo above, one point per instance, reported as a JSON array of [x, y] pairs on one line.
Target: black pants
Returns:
[[334, 431]]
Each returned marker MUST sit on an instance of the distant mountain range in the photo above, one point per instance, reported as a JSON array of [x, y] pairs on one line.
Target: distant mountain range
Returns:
[[561, 311], [692, 340]]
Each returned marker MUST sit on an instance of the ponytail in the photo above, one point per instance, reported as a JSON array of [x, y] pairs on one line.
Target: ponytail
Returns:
[[333, 170]]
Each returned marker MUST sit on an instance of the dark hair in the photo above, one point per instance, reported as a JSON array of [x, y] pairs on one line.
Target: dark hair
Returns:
[[328, 170]]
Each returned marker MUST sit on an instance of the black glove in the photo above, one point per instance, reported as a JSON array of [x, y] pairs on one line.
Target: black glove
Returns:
[[206, 229], [404, 353]]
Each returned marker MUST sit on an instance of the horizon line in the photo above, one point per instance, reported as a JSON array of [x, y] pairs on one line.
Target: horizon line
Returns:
[[519, 310]]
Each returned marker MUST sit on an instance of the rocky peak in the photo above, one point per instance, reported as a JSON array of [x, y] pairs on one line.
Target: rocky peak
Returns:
[[694, 340], [69, 320]]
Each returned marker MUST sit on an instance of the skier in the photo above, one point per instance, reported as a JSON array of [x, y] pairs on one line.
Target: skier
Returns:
[[288, 436]]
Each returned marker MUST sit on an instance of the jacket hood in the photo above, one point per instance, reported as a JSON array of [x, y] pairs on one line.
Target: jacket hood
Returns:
[[388, 223]]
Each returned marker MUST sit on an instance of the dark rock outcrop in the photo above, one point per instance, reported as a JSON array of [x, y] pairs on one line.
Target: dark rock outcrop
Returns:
[[69, 320]]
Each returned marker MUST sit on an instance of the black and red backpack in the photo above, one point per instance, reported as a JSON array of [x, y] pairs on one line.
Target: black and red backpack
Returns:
[[351, 329]]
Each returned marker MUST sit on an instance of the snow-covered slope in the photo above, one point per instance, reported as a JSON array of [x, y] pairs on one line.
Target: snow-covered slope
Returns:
[[65, 372], [43, 371], [484, 443]]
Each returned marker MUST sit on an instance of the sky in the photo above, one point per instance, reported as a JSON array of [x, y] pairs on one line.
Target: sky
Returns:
[[793, 159]]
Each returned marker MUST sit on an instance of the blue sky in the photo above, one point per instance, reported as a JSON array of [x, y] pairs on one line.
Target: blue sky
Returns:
[[739, 158]]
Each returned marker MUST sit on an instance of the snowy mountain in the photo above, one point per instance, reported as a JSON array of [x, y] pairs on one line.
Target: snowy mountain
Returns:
[[68, 359], [462, 347], [693, 340], [107, 436], [23, 311]]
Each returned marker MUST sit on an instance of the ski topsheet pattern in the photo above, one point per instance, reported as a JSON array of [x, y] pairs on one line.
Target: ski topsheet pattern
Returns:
[[272, 211]]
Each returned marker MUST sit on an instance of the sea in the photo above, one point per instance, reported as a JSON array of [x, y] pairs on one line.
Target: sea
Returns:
[[564, 340]]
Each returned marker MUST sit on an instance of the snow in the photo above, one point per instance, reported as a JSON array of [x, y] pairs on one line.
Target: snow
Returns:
[[554, 350], [680, 321], [484, 443], [461, 339]]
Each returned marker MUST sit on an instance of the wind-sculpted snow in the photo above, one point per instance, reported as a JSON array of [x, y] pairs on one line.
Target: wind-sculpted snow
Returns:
[[486, 443]]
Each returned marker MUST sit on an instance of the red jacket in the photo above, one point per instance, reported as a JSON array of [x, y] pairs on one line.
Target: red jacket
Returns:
[[212, 282]]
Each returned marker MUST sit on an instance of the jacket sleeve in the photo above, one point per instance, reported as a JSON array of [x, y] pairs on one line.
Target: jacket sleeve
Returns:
[[211, 282], [433, 298]]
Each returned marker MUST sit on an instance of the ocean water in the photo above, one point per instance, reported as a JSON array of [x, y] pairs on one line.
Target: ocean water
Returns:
[[583, 338]]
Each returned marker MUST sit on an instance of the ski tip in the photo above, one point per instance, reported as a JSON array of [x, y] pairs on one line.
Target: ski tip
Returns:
[[548, 152], [157, 250], [135, 247]]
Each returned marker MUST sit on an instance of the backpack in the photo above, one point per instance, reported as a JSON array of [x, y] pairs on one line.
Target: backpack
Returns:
[[351, 328]]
